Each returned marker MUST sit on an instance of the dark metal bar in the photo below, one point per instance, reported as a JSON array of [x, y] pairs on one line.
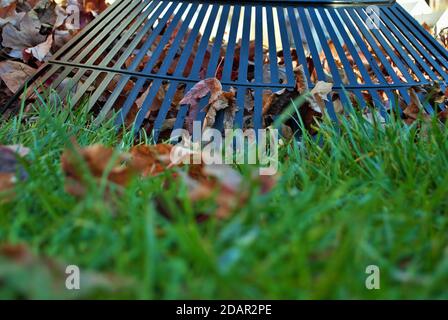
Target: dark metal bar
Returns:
[[378, 53], [326, 49], [258, 106], [312, 45], [242, 72], [230, 51], [212, 65], [236, 83], [298, 42], [286, 46], [306, 3], [272, 46], [381, 37], [342, 55]]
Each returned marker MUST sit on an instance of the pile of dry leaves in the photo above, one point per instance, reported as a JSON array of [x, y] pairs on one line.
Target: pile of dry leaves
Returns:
[[32, 30], [85, 168], [219, 182]]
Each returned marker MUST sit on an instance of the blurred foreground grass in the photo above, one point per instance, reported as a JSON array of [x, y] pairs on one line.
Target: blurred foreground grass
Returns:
[[363, 194]]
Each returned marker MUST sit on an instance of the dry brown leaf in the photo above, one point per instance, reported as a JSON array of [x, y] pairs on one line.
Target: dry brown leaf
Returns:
[[427, 27], [97, 160], [219, 182], [228, 187], [8, 14], [156, 102], [139, 102], [268, 99], [218, 100], [301, 82], [26, 35], [46, 11], [414, 109], [42, 50], [201, 89], [320, 94], [96, 6], [309, 117], [225, 101], [151, 160], [338, 106], [14, 74], [7, 9]]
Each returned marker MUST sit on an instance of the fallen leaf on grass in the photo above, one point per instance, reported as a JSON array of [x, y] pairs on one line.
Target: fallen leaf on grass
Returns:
[[18, 149], [228, 183], [229, 189], [97, 160], [150, 160], [26, 275], [219, 182]]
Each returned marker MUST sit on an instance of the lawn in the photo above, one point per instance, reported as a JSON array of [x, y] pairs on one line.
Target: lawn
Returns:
[[357, 194]]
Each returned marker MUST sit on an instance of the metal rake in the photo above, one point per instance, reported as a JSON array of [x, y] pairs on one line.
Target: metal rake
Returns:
[[155, 51]]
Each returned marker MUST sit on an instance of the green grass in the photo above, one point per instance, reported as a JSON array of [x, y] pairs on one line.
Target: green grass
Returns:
[[365, 194]]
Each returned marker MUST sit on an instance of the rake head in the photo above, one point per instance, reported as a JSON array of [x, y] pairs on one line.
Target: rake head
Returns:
[[141, 57]]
